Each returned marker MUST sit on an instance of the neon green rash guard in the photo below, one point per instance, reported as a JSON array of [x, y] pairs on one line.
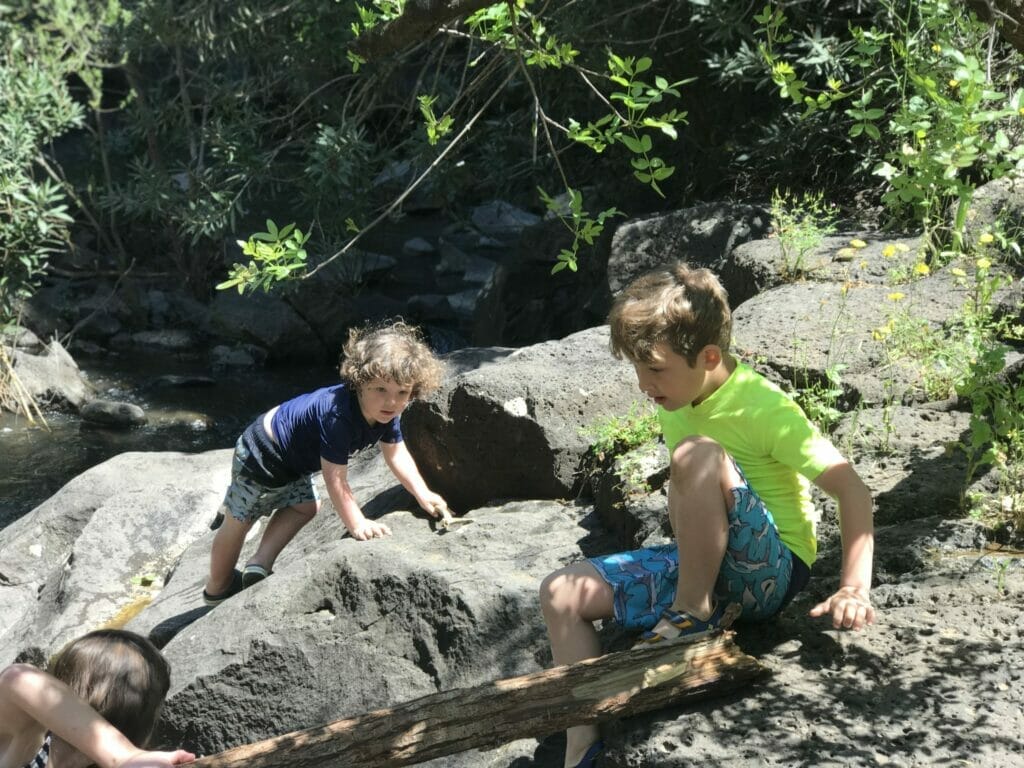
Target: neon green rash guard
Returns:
[[778, 448]]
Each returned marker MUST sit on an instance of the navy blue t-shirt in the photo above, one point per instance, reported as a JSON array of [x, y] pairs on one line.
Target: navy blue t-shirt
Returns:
[[326, 423]]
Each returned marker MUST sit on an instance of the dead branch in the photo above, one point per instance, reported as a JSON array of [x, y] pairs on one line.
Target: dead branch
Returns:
[[488, 715]]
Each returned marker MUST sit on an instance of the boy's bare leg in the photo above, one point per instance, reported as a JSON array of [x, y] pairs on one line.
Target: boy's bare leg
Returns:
[[572, 598], [280, 530], [227, 546], [698, 497]]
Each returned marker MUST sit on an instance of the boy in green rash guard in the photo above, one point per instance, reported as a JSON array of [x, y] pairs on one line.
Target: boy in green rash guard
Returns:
[[742, 457]]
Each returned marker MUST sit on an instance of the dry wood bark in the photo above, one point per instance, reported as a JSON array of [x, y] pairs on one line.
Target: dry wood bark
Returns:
[[538, 704]]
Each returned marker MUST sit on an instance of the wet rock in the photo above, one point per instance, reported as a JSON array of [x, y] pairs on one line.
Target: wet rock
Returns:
[[110, 413]]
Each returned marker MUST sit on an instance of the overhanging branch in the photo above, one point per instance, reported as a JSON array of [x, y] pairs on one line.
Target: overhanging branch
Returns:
[[419, 20]]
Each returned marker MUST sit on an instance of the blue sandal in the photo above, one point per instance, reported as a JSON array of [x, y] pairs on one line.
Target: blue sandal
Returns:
[[673, 625]]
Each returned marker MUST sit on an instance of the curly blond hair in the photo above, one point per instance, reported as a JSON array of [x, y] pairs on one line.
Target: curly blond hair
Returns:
[[394, 351], [686, 308]]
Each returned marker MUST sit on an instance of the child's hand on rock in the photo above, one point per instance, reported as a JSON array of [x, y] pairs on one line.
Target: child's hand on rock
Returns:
[[370, 529], [850, 608]]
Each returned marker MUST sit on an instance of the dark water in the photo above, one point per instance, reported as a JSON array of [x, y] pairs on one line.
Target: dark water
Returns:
[[36, 462]]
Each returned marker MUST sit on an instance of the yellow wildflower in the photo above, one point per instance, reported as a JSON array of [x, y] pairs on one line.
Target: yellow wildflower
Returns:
[[921, 268], [857, 243], [958, 272], [936, 48], [954, 83], [889, 251], [896, 296], [983, 263], [986, 238]]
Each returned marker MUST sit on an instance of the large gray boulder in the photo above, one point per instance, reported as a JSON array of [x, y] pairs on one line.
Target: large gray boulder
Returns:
[[97, 549], [268, 321], [799, 331], [50, 378], [703, 235], [755, 266], [514, 428], [345, 627]]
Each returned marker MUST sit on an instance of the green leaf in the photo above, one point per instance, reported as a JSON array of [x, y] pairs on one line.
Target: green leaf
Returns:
[[631, 143]]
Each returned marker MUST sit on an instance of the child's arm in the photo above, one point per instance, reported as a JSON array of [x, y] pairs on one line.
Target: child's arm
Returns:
[[850, 606], [336, 480], [31, 698], [403, 466]]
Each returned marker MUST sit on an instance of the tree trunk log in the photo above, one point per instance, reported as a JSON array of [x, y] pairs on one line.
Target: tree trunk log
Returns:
[[486, 716]]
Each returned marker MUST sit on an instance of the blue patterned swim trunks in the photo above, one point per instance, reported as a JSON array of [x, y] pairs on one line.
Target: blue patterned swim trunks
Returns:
[[758, 571]]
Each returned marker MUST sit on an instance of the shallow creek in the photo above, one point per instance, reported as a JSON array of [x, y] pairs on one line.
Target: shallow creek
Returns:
[[208, 411]]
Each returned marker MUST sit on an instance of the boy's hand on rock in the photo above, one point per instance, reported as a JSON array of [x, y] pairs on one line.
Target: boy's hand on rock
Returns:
[[370, 529], [850, 608], [433, 504], [158, 759]]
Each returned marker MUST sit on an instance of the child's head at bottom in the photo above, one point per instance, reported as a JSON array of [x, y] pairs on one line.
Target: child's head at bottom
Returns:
[[677, 305], [121, 675], [394, 351]]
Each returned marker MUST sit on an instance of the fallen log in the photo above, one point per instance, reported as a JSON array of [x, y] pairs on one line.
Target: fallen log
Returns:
[[615, 685]]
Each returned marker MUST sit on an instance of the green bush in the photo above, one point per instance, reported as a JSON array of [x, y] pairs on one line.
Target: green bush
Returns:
[[37, 109]]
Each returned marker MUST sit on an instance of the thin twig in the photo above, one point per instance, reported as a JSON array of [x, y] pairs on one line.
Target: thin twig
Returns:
[[67, 337], [409, 190]]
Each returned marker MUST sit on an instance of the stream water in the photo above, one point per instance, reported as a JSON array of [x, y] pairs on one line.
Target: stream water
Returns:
[[36, 461]]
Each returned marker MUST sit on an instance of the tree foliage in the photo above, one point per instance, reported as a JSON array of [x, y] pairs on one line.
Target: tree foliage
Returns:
[[197, 120]]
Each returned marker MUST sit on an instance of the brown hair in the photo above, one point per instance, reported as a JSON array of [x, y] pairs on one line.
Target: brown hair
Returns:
[[394, 351], [121, 675], [686, 308]]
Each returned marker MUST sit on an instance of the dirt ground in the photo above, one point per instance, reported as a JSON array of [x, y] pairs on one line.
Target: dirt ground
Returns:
[[937, 681]]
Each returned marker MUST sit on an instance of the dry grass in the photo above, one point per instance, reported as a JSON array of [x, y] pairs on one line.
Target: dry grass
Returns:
[[13, 395]]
